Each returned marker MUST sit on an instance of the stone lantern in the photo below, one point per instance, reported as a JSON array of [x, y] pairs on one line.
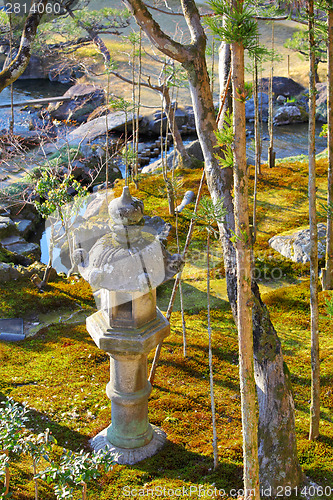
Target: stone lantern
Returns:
[[125, 266]]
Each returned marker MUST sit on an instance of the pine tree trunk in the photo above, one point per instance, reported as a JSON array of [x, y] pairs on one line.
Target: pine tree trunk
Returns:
[[244, 294], [328, 272], [315, 369]]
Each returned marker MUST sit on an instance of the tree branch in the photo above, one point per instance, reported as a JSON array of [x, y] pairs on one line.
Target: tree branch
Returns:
[[192, 18], [15, 69], [169, 13], [161, 40]]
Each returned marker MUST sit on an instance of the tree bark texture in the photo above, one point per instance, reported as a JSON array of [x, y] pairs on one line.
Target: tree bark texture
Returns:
[[276, 431], [244, 294], [257, 166], [328, 272], [224, 69], [220, 183], [315, 365], [17, 66]]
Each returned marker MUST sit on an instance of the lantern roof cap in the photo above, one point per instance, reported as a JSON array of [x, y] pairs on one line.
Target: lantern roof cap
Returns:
[[126, 210]]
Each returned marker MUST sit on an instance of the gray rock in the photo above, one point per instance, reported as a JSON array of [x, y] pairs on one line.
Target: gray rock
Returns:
[[8, 272], [20, 247], [296, 245], [85, 98], [193, 149], [88, 132], [7, 226], [263, 104], [66, 75], [183, 116], [157, 226], [290, 114], [282, 86], [24, 226], [321, 102], [36, 69], [281, 99]]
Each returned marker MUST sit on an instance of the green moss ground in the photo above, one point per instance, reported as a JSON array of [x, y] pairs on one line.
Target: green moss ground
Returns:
[[61, 375]]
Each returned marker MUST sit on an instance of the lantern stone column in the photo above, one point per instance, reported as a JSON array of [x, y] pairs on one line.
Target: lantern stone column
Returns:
[[130, 437], [125, 267]]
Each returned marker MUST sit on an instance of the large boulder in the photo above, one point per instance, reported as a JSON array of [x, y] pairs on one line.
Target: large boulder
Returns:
[[88, 132], [42, 68], [282, 86], [25, 227], [184, 118], [263, 106], [36, 69], [296, 245], [84, 99], [289, 114]]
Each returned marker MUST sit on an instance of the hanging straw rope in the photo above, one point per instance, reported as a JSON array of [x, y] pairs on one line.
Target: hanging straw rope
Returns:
[[177, 281], [186, 247]]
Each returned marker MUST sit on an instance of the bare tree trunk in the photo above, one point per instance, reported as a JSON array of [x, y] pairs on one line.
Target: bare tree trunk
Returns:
[[271, 152], [257, 147], [315, 369], [210, 358], [328, 271], [35, 479], [244, 294], [224, 71], [7, 476], [177, 138]]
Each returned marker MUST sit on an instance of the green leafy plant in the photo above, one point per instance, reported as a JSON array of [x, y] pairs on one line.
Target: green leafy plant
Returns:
[[12, 419], [329, 306], [38, 447], [238, 25], [56, 203], [225, 137], [55, 193], [324, 130], [75, 470]]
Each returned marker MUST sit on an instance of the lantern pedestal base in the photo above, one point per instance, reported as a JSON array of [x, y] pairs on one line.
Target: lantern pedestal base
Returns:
[[133, 455]]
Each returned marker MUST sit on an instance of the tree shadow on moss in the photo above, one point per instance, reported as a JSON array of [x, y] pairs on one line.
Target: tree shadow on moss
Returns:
[[194, 300], [65, 436], [175, 462]]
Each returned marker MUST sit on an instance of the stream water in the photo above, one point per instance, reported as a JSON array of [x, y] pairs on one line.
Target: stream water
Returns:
[[24, 90]]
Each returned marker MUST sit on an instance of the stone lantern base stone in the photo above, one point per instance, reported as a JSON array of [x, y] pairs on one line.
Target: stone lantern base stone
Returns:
[[130, 456]]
